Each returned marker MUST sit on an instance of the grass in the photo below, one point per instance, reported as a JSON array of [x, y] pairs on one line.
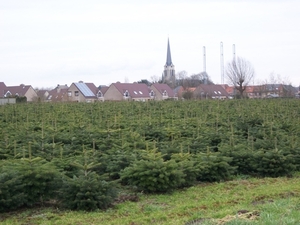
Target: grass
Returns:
[[268, 201]]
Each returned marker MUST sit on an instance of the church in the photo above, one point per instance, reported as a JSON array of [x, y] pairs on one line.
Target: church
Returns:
[[168, 75]]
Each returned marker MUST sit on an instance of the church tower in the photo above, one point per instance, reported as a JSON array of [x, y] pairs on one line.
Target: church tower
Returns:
[[169, 69]]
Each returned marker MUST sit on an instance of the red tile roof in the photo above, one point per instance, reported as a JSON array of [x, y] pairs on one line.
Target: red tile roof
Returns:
[[254, 89], [229, 89], [190, 89]]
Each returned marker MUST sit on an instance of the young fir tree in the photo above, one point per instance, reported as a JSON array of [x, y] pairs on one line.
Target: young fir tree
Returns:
[[188, 166], [87, 191], [273, 163], [214, 167], [27, 181], [153, 174]]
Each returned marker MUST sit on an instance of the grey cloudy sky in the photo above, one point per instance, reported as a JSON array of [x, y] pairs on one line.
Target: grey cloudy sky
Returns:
[[44, 43]]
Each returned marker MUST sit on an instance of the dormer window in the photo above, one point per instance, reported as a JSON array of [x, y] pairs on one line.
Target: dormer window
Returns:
[[151, 93], [165, 93], [126, 94], [8, 94], [99, 94]]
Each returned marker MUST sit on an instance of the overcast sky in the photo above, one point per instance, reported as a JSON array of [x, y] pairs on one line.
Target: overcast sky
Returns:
[[44, 43]]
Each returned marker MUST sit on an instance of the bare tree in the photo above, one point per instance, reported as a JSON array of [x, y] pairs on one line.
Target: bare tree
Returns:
[[181, 78], [200, 78], [192, 81], [181, 75], [277, 79], [239, 73], [154, 79]]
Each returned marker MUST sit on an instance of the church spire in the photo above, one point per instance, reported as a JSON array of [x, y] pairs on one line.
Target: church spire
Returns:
[[169, 69], [169, 59]]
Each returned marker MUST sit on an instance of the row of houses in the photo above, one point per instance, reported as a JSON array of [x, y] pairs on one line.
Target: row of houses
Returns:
[[212, 91], [89, 92], [265, 91]]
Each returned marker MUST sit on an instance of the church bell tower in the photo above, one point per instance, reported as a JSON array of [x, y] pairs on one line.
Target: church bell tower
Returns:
[[169, 68]]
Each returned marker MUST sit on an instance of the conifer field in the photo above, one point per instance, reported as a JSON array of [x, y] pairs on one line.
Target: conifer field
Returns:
[[94, 157]]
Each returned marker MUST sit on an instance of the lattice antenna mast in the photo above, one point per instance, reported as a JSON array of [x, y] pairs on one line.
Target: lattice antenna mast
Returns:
[[222, 62], [233, 51], [204, 59]]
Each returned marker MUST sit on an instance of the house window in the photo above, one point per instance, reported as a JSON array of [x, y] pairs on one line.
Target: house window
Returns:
[[69, 93], [76, 93], [152, 93], [165, 93], [99, 94], [8, 94], [126, 94]]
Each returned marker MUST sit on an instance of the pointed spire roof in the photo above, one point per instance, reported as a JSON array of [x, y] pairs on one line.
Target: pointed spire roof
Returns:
[[169, 59]]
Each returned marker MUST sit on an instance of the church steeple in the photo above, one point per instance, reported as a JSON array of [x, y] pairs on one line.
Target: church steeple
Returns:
[[169, 68], [169, 58]]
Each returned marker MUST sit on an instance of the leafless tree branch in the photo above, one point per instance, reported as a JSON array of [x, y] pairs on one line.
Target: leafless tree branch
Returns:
[[239, 73]]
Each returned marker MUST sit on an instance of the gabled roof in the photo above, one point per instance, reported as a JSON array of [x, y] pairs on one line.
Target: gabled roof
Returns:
[[164, 87], [92, 87], [18, 90], [56, 96], [189, 89], [2, 89], [213, 90], [42, 93], [177, 89], [253, 89], [280, 88], [135, 90], [289, 88], [229, 89], [272, 87], [103, 89], [249, 89], [85, 90], [2, 85]]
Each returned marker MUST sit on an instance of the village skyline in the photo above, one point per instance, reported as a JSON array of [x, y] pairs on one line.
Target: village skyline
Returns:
[[58, 42]]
